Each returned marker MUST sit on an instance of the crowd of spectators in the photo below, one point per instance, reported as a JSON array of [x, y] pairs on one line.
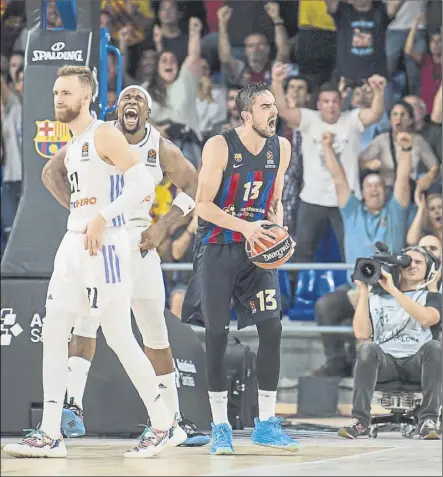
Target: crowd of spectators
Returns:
[[367, 73]]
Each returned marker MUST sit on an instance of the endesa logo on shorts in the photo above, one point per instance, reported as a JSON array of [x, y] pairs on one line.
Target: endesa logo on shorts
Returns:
[[58, 53], [50, 137], [83, 202]]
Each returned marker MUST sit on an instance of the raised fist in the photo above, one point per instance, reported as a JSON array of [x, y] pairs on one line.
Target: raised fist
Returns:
[[195, 25], [224, 14], [273, 11], [404, 140], [327, 139], [279, 72], [377, 82]]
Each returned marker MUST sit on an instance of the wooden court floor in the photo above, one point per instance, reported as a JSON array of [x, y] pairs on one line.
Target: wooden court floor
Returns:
[[389, 454]]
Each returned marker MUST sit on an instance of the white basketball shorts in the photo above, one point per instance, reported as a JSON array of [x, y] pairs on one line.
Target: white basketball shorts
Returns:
[[147, 301], [87, 285]]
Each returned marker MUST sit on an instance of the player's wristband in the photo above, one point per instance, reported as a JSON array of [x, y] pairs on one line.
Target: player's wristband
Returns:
[[184, 202]]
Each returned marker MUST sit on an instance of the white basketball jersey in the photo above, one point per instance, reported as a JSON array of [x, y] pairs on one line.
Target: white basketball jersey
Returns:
[[148, 150], [94, 183]]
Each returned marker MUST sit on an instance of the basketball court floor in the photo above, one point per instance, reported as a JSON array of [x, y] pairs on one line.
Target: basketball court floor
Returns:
[[322, 453]]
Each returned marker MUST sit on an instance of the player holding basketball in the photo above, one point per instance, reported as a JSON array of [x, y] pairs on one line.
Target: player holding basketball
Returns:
[[148, 298], [92, 274], [240, 184]]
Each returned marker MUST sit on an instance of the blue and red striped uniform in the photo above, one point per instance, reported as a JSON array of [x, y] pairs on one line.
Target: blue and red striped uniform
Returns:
[[246, 189]]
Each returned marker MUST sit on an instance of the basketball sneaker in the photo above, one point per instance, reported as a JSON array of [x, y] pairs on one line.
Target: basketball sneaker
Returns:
[[177, 434], [270, 434], [37, 444], [72, 421], [353, 429], [429, 430], [221, 439], [151, 442], [194, 438]]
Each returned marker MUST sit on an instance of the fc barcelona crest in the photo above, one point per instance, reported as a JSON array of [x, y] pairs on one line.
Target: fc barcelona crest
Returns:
[[50, 137]]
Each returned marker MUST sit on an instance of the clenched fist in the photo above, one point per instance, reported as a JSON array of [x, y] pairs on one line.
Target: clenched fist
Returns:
[[195, 25], [327, 139], [404, 140], [273, 11], [224, 15], [377, 82]]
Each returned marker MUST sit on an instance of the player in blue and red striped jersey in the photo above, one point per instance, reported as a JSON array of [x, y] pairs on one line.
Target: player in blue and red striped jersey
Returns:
[[239, 191]]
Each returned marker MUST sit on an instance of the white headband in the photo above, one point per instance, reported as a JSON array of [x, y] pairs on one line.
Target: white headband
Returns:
[[139, 88]]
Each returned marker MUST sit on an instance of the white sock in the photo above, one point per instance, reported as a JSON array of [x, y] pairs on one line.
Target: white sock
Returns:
[[78, 374], [56, 328], [219, 406], [266, 404], [168, 390], [117, 330]]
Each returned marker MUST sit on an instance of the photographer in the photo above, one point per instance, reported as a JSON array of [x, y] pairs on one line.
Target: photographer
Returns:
[[399, 324], [375, 218]]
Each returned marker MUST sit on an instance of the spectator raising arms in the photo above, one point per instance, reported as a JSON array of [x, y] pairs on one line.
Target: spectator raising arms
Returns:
[[257, 49], [430, 64], [426, 127], [428, 220], [361, 34], [174, 92], [383, 151], [318, 205], [377, 217]]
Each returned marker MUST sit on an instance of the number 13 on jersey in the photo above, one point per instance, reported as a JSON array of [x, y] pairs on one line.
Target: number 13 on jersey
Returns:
[[252, 190]]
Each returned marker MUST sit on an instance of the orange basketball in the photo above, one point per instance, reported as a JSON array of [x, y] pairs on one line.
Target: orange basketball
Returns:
[[275, 254]]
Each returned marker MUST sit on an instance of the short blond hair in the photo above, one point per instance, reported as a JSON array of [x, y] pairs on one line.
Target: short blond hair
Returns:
[[83, 73]]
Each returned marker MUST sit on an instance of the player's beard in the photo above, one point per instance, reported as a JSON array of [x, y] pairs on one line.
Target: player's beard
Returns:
[[68, 115], [134, 130], [261, 132]]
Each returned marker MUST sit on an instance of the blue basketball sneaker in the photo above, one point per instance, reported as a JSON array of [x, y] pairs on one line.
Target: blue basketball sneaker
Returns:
[[221, 439], [195, 437], [270, 433], [72, 421]]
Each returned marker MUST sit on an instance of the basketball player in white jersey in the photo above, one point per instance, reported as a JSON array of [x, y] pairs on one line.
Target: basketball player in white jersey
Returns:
[[148, 300], [92, 275]]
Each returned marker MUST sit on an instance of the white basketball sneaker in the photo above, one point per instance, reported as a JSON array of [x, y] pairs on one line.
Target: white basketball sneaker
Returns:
[[37, 444], [177, 435], [151, 442]]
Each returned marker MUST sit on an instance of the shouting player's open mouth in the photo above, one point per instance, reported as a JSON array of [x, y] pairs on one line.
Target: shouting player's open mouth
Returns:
[[272, 123], [131, 117]]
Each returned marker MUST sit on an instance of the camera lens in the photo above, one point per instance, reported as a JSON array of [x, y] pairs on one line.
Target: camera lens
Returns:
[[368, 270]]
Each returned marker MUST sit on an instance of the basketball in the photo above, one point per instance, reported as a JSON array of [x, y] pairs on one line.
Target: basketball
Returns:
[[275, 254]]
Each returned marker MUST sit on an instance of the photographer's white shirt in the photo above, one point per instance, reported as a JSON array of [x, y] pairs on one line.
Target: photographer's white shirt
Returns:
[[318, 186], [395, 331]]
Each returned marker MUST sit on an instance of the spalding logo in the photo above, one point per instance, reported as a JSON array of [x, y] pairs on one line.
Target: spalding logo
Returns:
[[279, 253], [57, 53]]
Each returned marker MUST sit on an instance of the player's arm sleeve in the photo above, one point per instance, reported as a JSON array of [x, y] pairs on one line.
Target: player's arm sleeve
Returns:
[[138, 183]]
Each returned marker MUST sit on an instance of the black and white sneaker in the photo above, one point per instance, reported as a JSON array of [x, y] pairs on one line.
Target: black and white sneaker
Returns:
[[353, 430], [195, 438], [429, 431]]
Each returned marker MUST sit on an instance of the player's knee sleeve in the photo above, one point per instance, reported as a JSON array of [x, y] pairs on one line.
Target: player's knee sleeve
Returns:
[[215, 360], [117, 331], [86, 327], [150, 318], [268, 354]]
